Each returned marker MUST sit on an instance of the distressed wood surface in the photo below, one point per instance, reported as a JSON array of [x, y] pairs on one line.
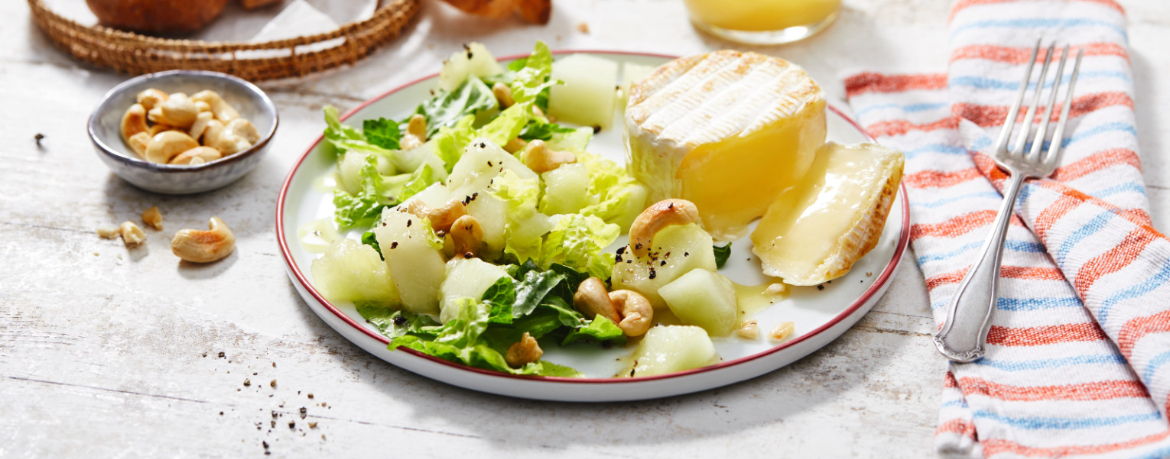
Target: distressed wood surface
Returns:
[[109, 352]]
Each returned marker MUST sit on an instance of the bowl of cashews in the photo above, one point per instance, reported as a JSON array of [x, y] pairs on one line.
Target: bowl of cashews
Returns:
[[183, 131]]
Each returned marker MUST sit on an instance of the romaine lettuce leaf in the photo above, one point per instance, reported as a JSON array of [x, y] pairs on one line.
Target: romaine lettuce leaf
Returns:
[[450, 141], [507, 125], [539, 130], [382, 132], [355, 211], [600, 330], [471, 98], [531, 81], [579, 241]]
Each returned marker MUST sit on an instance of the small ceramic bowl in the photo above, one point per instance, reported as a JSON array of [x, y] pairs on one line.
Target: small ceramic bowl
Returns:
[[250, 101]]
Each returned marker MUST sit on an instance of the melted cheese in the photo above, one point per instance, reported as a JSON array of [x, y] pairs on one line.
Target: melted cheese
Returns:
[[728, 131], [834, 216]]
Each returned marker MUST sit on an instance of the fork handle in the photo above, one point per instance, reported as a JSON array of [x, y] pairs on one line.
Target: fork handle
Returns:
[[968, 320]]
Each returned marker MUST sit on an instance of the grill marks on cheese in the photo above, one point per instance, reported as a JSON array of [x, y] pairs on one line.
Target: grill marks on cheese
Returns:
[[727, 131]]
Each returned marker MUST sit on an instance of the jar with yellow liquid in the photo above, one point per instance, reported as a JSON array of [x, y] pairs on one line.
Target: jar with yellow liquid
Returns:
[[763, 22]]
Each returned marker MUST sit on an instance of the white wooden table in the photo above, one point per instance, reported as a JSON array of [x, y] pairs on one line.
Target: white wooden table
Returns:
[[109, 352]]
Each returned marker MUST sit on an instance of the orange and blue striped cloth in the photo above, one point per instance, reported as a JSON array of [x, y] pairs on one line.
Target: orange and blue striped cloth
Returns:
[[1078, 359]]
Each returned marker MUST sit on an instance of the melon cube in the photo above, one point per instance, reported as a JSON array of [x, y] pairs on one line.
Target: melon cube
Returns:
[[674, 348]]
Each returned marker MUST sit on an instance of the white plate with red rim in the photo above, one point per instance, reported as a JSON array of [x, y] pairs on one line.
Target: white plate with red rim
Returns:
[[820, 314]]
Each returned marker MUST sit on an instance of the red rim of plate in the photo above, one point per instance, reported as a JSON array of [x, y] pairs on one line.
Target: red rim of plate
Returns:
[[873, 289]]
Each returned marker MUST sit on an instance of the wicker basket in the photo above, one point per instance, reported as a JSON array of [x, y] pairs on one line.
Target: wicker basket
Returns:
[[137, 54]]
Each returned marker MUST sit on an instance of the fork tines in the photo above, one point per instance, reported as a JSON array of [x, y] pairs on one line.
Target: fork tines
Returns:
[[1033, 156]]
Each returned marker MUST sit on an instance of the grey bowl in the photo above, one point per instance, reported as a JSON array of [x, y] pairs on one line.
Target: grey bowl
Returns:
[[249, 100]]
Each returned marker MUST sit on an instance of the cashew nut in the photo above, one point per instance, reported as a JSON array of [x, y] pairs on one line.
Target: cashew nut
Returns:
[[525, 351], [200, 125], [150, 98], [223, 111], [204, 246], [157, 128], [635, 309], [503, 95], [416, 133], [203, 107], [466, 236], [212, 131], [202, 154], [177, 110], [238, 135], [153, 218], [441, 218], [167, 145], [138, 143], [132, 235], [749, 329], [538, 157], [133, 122], [782, 332], [655, 218], [108, 233], [515, 145], [592, 300]]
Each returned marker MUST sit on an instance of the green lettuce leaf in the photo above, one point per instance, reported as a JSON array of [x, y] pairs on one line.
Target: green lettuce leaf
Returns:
[[525, 227], [355, 211], [539, 130], [579, 241], [368, 238], [459, 341], [450, 141], [722, 254], [599, 330], [394, 323], [531, 82], [471, 98], [382, 132], [507, 125], [417, 181]]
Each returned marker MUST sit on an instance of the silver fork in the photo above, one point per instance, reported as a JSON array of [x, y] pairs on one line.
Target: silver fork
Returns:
[[968, 321]]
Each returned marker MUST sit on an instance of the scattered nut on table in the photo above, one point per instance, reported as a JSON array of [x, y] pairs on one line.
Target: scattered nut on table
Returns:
[[153, 218], [782, 332], [207, 246], [190, 127], [132, 235]]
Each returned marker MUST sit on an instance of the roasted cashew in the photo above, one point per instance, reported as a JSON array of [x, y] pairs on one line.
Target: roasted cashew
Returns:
[[538, 157], [637, 313], [203, 107], [223, 111], [167, 145], [466, 236], [153, 218], [525, 351], [782, 332], [515, 145], [592, 300], [748, 329], [416, 133], [133, 122], [200, 125], [150, 98], [204, 246], [177, 110], [655, 218], [441, 218], [238, 135], [503, 95], [132, 235], [157, 128], [203, 154], [138, 143]]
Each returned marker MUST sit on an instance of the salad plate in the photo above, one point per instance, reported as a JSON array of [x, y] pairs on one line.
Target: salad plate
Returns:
[[820, 314]]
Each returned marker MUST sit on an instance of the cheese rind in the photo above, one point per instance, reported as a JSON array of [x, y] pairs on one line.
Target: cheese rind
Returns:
[[727, 131], [817, 230]]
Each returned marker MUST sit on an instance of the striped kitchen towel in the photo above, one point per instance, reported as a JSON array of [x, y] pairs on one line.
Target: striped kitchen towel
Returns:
[[1077, 362]]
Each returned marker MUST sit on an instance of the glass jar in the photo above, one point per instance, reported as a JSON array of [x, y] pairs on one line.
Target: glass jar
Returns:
[[763, 22]]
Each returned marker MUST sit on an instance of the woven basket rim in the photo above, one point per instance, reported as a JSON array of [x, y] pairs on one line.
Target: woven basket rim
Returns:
[[384, 7], [134, 53]]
